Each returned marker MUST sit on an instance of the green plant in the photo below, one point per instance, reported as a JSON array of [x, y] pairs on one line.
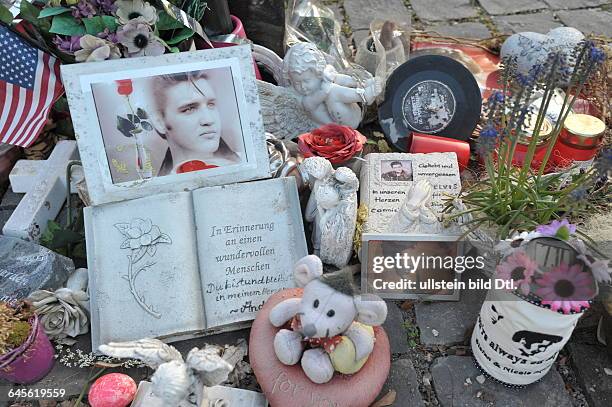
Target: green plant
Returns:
[[412, 333], [14, 325], [516, 198]]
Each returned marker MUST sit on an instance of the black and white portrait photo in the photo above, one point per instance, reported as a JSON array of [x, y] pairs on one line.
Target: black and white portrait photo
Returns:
[[396, 170], [169, 124]]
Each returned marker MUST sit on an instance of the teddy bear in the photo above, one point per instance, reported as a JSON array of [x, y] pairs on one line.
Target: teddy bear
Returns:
[[330, 327]]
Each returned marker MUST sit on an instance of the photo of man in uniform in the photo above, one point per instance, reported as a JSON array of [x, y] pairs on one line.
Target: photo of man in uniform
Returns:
[[399, 171], [187, 116]]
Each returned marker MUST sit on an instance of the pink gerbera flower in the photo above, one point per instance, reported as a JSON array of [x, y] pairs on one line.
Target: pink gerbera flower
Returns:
[[566, 288], [519, 268]]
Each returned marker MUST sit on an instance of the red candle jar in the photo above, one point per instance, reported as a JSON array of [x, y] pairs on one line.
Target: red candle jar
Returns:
[[579, 139], [425, 143], [522, 145]]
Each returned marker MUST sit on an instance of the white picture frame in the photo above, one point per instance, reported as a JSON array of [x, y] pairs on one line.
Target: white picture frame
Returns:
[[94, 96], [368, 251]]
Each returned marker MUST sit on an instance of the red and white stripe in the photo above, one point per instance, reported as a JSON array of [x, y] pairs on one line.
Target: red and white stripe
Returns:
[[24, 111]]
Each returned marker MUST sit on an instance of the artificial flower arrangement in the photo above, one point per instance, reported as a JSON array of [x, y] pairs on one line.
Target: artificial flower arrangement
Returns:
[[96, 30], [332, 141], [566, 287], [512, 198]]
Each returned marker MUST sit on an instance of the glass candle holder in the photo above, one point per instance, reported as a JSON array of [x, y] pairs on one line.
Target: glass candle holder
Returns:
[[579, 139]]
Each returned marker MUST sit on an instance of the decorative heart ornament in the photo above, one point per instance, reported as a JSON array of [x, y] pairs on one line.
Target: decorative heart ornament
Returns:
[[532, 49]]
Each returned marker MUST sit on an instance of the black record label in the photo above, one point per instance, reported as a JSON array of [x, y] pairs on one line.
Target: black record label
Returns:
[[429, 106]]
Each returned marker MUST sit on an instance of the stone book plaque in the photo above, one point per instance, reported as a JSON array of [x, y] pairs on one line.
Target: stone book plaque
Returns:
[[185, 264], [387, 178]]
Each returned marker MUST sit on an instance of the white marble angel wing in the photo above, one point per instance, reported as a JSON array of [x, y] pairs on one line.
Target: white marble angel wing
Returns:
[[209, 366], [153, 352], [283, 113]]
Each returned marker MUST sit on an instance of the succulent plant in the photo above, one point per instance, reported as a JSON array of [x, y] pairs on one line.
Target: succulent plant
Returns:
[[14, 324]]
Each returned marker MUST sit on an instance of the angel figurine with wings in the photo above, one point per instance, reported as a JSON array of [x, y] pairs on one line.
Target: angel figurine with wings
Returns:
[[317, 95], [176, 382], [332, 209]]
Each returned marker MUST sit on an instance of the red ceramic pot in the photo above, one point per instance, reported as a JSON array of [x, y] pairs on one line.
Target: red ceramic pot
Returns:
[[32, 360]]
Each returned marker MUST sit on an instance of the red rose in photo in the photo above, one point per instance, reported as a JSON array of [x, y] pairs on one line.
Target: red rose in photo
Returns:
[[194, 165], [332, 141], [124, 87]]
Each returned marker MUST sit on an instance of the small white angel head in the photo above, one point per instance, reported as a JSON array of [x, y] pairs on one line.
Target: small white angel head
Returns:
[[171, 382], [348, 183], [304, 68]]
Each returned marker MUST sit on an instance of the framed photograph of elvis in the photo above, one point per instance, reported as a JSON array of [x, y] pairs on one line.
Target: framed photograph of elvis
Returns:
[[403, 266], [169, 123]]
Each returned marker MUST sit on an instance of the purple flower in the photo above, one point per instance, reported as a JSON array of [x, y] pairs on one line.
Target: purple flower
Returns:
[[83, 9], [487, 140], [561, 229], [596, 55], [109, 36], [68, 44], [106, 7]]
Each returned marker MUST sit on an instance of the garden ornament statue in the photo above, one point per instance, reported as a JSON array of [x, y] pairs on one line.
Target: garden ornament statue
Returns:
[[332, 209], [317, 95], [331, 327], [176, 382], [416, 214]]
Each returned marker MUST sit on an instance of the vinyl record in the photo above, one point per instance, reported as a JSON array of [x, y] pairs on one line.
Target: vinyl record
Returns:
[[430, 94]]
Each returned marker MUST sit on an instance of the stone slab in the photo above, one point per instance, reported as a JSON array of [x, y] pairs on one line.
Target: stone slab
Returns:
[[446, 323], [403, 380], [462, 30], [395, 330], [573, 4], [497, 7], [541, 22], [439, 10], [450, 376], [361, 12], [589, 363], [26, 267], [588, 21]]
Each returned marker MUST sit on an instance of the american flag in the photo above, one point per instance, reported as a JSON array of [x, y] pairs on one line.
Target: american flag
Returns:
[[29, 85]]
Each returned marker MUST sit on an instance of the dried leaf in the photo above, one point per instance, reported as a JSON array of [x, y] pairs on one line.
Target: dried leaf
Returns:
[[387, 400], [407, 305]]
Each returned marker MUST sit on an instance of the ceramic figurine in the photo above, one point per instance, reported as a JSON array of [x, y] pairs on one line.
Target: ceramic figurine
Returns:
[[175, 381], [416, 214], [332, 209], [317, 95], [331, 327]]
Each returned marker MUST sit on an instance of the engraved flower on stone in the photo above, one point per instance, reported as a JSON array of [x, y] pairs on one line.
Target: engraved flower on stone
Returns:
[[142, 237]]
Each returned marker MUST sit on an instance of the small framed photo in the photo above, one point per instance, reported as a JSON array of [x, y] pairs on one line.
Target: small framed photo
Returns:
[[411, 266], [396, 170], [166, 124]]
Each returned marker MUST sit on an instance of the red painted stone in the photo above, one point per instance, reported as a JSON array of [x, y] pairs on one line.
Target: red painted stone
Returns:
[[288, 385], [112, 390]]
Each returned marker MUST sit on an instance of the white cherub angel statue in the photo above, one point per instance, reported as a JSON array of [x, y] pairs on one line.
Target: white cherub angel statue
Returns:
[[317, 95], [176, 382], [332, 209], [415, 214]]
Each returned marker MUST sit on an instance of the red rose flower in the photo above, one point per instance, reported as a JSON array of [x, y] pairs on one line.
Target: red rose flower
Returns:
[[124, 87], [335, 142], [193, 165]]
